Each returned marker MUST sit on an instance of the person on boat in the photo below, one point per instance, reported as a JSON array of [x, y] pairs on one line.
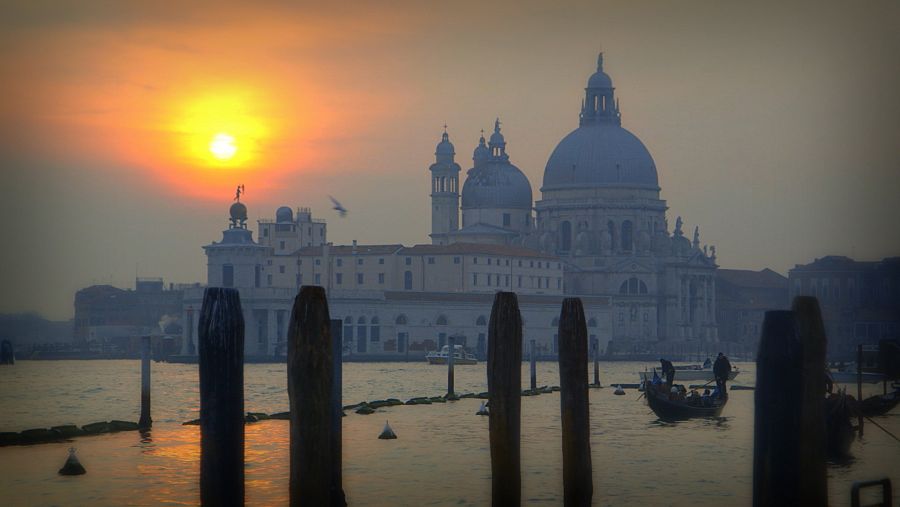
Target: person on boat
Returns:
[[707, 363], [721, 370], [668, 370], [705, 399]]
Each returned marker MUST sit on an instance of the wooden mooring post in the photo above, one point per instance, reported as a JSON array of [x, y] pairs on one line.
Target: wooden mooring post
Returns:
[[533, 357], [221, 351], [310, 372], [337, 412], [789, 432], [504, 373], [145, 422], [578, 488], [451, 342], [859, 363], [596, 356]]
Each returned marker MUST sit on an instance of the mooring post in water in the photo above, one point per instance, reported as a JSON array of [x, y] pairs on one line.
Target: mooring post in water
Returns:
[[596, 356], [573, 389], [310, 371], [337, 412], [451, 341], [504, 373], [145, 421], [779, 448], [533, 366], [813, 474], [221, 356], [859, 362]]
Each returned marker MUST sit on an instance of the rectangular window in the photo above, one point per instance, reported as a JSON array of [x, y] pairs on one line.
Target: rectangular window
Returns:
[[375, 335], [359, 278], [507, 280], [299, 262], [269, 280], [266, 232], [359, 262], [281, 245], [520, 263], [431, 260], [381, 278], [409, 261], [381, 261], [559, 283], [488, 279], [456, 260], [489, 261], [318, 262], [532, 264], [506, 220], [339, 262], [539, 264], [474, 278], [257, 275], [281, 269], [228, 275], [520, 281], [299, 280], [318, 279], [338, 278], [474, 260], [507, 262]]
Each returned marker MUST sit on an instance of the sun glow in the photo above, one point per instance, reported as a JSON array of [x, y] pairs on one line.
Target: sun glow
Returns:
[[222, 146]]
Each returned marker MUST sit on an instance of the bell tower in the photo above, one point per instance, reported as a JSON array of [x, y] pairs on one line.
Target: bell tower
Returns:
[[444, 191]]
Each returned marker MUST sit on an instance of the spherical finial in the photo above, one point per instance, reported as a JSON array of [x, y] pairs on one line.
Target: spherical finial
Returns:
[[238, 211]]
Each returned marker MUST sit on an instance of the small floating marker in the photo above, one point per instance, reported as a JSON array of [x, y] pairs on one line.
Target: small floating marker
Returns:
[[619, 391], [483, 410], [387, 433], [72, 466]]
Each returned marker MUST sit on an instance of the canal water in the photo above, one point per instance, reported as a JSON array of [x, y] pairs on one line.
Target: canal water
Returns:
[[441, 456]]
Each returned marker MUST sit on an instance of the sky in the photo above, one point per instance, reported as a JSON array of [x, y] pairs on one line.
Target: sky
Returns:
[[775, 128]]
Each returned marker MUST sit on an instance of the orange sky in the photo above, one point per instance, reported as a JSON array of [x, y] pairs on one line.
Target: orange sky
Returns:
[[774, 126]]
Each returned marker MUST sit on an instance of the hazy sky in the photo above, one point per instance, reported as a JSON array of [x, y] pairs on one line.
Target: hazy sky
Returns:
[[775, 128]]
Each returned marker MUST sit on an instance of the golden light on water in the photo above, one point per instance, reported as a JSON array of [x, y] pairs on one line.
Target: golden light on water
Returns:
[[222, 146]]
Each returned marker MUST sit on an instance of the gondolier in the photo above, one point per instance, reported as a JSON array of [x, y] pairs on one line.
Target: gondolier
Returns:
[[668, 371], [721, 369]]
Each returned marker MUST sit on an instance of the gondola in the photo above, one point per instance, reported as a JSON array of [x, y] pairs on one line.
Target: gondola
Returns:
[[839, 430], [879, 405], [677, 408]]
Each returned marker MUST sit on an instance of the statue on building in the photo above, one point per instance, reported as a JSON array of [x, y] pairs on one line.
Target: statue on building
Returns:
[[605, 242], [678, 224], [583, 243], [643, 241], [238, 192], [696, 243]]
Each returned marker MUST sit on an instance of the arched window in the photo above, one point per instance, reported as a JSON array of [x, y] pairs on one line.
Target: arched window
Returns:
[[633, 286], [481, 321], [400, 320], [407, 280], [565, 233], [627, 230], [361, 329], [348, 329], [374, 330], [441, 320]]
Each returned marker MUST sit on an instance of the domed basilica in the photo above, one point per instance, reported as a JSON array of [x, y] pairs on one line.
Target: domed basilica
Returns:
[[599, 211]]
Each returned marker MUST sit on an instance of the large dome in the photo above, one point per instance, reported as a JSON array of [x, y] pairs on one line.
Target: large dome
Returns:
[[496, 184], [600, 154]]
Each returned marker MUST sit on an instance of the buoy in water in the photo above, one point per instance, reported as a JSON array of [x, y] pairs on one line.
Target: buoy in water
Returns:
[[387, 433], [483, 410], [72, 466], [619, 391]]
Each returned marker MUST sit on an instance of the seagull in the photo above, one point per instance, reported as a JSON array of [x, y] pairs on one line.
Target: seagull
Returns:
[[338, 207]]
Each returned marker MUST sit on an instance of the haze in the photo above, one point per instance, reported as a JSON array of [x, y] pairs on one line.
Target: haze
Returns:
[[775, 128]]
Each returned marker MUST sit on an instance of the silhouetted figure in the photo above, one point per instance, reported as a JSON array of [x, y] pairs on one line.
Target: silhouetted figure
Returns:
[[721, 369], [668, 371]]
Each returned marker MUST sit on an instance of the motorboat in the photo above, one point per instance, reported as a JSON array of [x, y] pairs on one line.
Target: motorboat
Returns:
[[690, 372], [460, 356]]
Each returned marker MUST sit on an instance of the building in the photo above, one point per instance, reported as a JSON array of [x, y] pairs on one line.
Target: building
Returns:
[[743, 297], [599, 231], [107, 315], [860, 300]]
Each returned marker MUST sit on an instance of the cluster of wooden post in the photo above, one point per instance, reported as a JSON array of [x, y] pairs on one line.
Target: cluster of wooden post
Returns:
[[789, 420], [314, 388]]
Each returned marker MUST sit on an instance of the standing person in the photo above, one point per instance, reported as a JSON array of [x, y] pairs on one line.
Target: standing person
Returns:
[[668, 371], [721, 369]]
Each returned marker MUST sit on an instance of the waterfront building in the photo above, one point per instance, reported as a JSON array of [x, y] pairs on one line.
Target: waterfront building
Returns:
[[860, 300], [599, 231], [743, 297]]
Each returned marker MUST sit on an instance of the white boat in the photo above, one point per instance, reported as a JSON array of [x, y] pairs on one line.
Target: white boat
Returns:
[[690, 372], [460, 356]]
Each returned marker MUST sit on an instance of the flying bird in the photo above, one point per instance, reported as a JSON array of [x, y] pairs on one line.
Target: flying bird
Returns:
[[338, 207]]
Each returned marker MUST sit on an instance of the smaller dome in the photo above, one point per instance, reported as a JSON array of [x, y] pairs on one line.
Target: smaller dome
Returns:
[[445, 147], [600, 79], [284, 214], [482, 153], [238, 211]]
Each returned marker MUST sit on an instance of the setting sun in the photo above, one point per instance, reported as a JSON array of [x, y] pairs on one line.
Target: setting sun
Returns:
[[222, 146]]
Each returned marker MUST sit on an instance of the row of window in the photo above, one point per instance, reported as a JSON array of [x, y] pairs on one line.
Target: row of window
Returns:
[[360, 278], [494, 280]]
